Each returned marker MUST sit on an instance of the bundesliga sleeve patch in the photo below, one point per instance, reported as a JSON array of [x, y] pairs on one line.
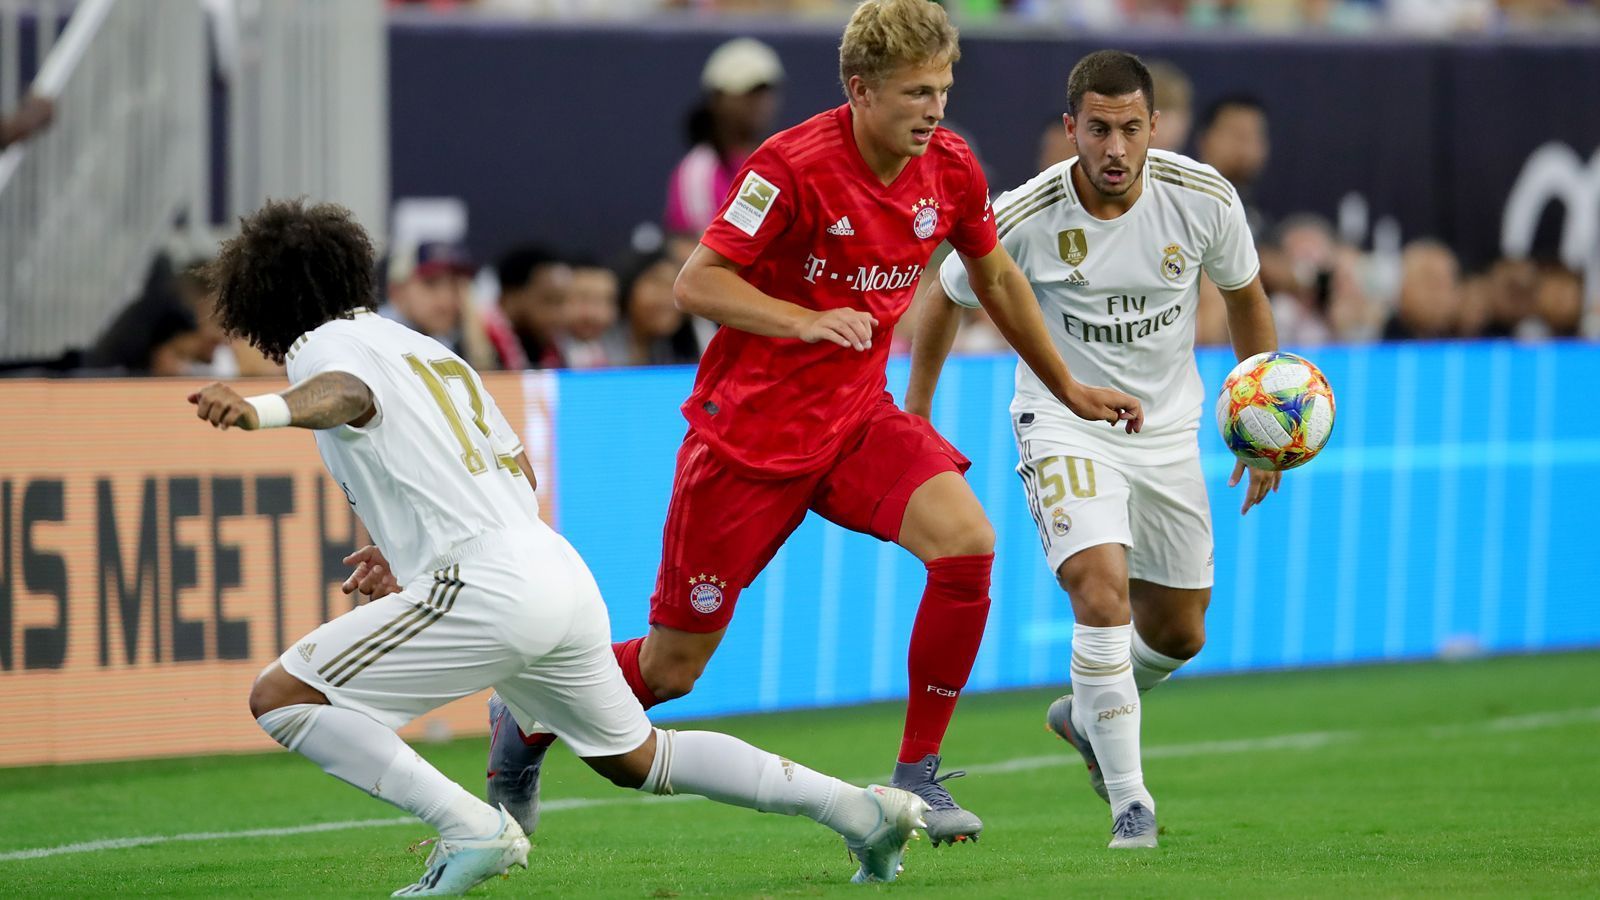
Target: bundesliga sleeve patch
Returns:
[[749, 209]]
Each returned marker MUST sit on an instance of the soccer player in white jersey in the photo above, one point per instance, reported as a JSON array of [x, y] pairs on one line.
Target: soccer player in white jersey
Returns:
[[1114, 241], [480, 593]]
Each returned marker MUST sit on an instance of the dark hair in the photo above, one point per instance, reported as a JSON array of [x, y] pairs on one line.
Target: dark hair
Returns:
[[1227, 102], [1110, 73], [516, 266], [291, 268], [684, 342]]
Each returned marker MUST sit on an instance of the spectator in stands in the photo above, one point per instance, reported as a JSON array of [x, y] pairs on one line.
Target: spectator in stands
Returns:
[[32, 116], [1514, 288], [534, 282], [1175, 103], [740, 80], [1233, 139], [591, 311], [653, 331], [1055, 145], [1559, 301], [1429, 306], [430, 291]]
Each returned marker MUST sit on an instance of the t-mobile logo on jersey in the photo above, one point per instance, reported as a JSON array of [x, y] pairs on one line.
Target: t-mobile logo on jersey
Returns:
[[814, 268], [878, 278]]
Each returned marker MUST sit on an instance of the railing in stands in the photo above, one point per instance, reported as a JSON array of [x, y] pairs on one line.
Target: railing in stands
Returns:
[[85, 204]]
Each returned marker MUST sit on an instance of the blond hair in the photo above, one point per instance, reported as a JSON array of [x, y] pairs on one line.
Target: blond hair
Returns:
[[884, 35]]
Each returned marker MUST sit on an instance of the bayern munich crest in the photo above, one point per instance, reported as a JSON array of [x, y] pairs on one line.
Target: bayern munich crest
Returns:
[[925, 217], [705, 593]]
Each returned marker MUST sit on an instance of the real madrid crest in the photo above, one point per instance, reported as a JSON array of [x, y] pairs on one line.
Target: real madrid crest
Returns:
[[1172, 262], [925, 217], [1060, 521], [1073, 246]]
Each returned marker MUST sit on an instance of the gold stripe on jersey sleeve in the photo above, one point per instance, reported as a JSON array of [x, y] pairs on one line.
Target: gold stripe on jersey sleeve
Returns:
[[1214, 180], [1038, 207], [1016, 206], [1191, 185]]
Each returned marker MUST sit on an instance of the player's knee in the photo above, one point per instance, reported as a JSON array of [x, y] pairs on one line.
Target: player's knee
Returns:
[[274, 689], [1098, 599], [1181, 640], [623, 771], [967, 536], [672, 677]]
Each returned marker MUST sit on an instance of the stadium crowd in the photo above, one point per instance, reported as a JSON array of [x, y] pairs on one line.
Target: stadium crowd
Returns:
[[546, 307]]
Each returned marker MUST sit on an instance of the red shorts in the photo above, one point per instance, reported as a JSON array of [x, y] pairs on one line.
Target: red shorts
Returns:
[[724, 526]]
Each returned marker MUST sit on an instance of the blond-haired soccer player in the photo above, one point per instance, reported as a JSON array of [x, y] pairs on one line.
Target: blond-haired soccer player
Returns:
[[812, 260], [481, 592], [1114, 241]]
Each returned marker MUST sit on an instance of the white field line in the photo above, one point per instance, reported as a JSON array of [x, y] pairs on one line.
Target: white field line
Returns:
[[1310, 740]]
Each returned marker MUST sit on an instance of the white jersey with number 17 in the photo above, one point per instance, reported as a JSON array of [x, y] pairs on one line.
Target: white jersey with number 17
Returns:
[[1119, 296], [435, 467]]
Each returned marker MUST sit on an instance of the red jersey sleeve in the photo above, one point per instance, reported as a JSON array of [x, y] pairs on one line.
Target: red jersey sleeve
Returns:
[[760, 207], [974, 232]]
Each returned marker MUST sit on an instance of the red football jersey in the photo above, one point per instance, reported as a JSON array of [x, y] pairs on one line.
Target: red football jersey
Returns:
[[811, 224]]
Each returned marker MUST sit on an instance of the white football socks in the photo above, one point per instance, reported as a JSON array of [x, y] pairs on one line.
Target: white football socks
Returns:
[[354, 748], [728, 770], [1106, 708], [1149, 667]]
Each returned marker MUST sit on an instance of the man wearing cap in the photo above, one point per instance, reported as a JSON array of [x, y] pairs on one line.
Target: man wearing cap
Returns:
[[740, 82], [430, 291]]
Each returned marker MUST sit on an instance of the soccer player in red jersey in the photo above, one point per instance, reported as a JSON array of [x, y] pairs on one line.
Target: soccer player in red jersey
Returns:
[[813, 258]]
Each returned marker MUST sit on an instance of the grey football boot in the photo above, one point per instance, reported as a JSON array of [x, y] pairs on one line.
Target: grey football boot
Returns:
[[947, 822], [1134, 829], [1059, 720], [514, 766]]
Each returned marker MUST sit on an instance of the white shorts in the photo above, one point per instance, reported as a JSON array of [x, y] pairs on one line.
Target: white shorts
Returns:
[[517, 612], [1160, 513]]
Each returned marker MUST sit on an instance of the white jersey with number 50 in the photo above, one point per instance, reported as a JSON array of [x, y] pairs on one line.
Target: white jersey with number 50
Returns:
[[1119, 297], [435, 468]]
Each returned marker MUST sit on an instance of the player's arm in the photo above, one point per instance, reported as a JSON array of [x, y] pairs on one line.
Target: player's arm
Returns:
[[327, 400], [1250, 320], [1252, 330], [709, 286], [1008, 298], [938, 319]]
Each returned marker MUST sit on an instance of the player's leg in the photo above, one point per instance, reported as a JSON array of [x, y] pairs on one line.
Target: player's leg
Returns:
[[721, 531], [337, 696], [1081, 509], [1104, 707], [1171, 569], [902, 482], [577, 691], [1169, 629], [876, 822]]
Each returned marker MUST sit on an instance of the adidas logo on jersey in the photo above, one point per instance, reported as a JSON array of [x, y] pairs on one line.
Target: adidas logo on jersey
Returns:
[[306, 649], [1076, 278], [842, 227]]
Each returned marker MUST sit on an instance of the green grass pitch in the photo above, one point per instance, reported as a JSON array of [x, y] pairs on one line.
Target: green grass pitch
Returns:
[[1475, 778]]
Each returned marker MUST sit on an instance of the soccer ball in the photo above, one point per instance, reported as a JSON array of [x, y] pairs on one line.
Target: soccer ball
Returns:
[[1275, 411]]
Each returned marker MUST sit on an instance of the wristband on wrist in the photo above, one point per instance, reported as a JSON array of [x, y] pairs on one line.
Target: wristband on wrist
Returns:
[[272, 411]]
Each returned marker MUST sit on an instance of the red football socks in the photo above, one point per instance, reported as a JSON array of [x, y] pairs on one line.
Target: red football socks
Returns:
[[944, 645], [628, 658]]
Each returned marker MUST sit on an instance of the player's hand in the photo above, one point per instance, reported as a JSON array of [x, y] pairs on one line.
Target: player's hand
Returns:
[[1106, 405], [224, 408], [845, 327], [372, 575], [1262, 483]]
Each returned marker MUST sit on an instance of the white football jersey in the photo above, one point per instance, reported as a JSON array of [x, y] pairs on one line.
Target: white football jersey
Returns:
[[1119, 296], [435, 467]]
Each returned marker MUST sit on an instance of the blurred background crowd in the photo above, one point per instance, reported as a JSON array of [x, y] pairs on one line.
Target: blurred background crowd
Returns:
[[538, 305]]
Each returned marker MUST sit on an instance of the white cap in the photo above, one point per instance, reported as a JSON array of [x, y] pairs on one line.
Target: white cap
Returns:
[[740, 66]]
